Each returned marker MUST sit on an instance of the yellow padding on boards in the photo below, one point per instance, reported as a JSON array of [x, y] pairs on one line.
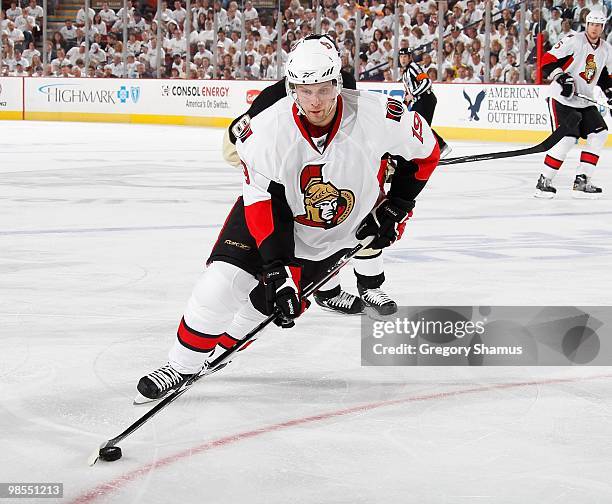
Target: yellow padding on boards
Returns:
[[11, 115], [214, 122]]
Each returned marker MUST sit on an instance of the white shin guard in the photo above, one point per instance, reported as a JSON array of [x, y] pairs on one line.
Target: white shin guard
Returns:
[[218, 304]]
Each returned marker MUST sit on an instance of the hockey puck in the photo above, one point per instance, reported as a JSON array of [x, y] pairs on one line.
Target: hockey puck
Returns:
[[110, 453]]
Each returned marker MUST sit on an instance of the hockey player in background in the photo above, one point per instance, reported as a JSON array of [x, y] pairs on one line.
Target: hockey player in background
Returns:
[[576, 64], [368, 264], [304, 203], [419, 93]]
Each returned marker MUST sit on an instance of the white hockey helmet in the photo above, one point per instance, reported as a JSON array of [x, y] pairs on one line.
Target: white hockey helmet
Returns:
[[313, 60], [596, 17]]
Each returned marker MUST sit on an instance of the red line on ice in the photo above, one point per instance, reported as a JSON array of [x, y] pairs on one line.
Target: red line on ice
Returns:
[[104, 489]]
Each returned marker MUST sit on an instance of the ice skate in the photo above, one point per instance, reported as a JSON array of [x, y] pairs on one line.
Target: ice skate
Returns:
[[544, 188], [584, 189], [158, 383], [341, 302], [376, 302]]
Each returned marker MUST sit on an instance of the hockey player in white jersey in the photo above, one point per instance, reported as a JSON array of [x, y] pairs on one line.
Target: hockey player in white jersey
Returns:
[[312, 190], [576, 65], [368, 264]]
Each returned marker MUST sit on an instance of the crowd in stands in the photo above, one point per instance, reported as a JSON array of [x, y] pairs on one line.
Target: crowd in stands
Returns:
[[95, 49]]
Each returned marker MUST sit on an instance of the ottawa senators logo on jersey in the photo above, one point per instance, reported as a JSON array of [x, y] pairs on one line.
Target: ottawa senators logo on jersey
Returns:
[[326, 205], [590, 69]]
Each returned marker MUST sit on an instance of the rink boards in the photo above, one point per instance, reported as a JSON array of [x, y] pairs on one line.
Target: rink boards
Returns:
[[501, 113]]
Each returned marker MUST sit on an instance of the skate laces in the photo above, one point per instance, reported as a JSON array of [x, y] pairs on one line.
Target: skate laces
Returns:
[[342, 300], [166, 377], [376, 296]]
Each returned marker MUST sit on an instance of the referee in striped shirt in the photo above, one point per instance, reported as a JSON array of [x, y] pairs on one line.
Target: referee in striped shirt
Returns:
[[419, 93]]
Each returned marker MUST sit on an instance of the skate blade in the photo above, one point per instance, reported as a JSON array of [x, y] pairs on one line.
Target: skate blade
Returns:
[[140, 399], [331, 310], [584, 195], [543, 195], [373, 314]]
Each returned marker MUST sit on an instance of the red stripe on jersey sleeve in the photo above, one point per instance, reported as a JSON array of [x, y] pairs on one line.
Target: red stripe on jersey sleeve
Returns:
[[567, 63], [427, 165], [259, 220]]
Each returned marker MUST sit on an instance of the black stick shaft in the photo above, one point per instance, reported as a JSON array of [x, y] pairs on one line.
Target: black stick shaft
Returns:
[[225, 356], [547, 144]]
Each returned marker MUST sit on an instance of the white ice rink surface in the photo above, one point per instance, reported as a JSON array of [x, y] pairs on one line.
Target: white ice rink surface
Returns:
[[103, 232]]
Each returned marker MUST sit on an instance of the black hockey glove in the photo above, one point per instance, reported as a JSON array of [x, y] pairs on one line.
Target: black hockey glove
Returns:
[[567, 84], [283, 293], [386, 222], [608, 93]]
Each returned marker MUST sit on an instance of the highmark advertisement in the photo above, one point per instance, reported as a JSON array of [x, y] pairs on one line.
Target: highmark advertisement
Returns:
[[167, 101]]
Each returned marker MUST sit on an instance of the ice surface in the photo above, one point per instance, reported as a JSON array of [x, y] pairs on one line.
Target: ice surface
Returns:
[[103, 232]]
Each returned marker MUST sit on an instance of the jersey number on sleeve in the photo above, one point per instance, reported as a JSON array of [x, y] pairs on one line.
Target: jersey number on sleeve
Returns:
[[417, 127]]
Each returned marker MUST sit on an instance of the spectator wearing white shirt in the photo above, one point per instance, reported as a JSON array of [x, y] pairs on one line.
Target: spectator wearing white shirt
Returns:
[[129, 13], [15, 35], [99, 24], [20, 69], [234, 22], [3, 21], [179, 13], [166, 13], [553, 27], [250, 13], [367, 32], [137, 25], [566, 29], [13, 11], [268, 34], [96, 54], [222, 39], [108, 15], [117, 66], [77, 53], [58, 61], [471, 14], [17, 59], [69, 32], [35, 10], [476, 63], [80, 17], [30, 52], [221, 13], [133, 45], [202, 53]]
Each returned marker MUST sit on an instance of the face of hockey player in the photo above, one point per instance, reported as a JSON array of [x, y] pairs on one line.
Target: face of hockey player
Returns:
[[318, 101], [594, 31]]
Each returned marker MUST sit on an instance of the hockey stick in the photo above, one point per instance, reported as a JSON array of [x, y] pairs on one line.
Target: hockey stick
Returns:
[[109, 450], [586, 98], [548, 142]]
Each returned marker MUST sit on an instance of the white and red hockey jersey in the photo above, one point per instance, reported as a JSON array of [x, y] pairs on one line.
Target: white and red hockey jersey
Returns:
[[575, 55], [318, 192]]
